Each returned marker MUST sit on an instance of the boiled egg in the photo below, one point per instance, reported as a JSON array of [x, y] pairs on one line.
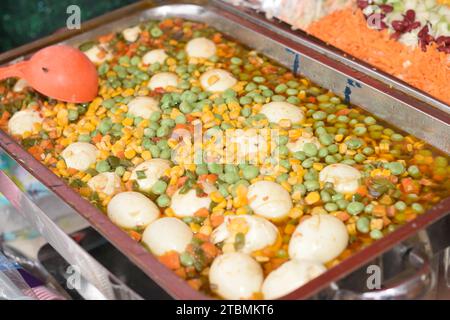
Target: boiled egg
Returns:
[[200, 48], [185, 205], [80, 155], [20, 85], [23, 121], [280, 110], [143, 107], [235, 276], [130, 210], [131, 34], [299, 144], [217, 80], [97, 54], [167, 234], [344, 178], [269, 199], [290, 276], [108, 183], [155, 56], [153, 170], [259, 232], [320, 238], [163, 80]]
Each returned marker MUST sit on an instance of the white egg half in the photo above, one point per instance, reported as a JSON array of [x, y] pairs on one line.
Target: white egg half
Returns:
[[80, 155], [131, 34], [235, 276], [131, 210], [23, 121], [163, 80], [344, 178], [143, 107], [299, 144], [153, 170], [246, 145], [261, 232], [108, 183], [154, 56], [217, 80], [20, 85], [97, 55], [200, 48], [167, 234], [290, 276], [320, 238], [280, 110], [269, 199], [185, 205]]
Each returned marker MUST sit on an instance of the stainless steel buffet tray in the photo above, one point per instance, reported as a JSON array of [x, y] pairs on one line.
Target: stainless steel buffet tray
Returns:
[[405, 112]]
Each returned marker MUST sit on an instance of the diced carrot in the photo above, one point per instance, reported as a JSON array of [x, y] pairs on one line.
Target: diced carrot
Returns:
[[210, 249], [168, 23], [120, 154], [98, 137], [216, 220], [4, 118], [129, 185], [202, 212], [211, 178], [202, 237], [342, 215], [171, 190], [312, 99], [343, 112], [106, 38], [36, 151], [408, 185], [72, 171], [135, 235], [195, 283], [171, 260], [362, 190], [181, 272], [379, 211], [217, 38]]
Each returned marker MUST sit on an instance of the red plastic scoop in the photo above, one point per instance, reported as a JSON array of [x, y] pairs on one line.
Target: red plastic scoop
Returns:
[[60, 72]]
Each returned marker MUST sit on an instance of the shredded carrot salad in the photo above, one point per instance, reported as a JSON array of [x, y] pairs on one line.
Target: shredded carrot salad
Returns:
[[347, 30]]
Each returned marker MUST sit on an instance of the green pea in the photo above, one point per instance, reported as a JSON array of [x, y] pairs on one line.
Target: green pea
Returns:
[[180, 119], [376, 234], [319, 115], [291, 92], [250, 86], [333, 148], [278, 98], [102, 166], [330, 207], [223, 189], [154, 150], [337, 196], [308, 163], [417, 207], [312, 185], [330, 159], [441, 162], [396, 137], [186, 259], [282, 177], [355, 207], [250, 172], [310, 149], [165, 154], [369, 209], [368, 151], [283, 150], [370, 121], [396, 168], [292, 84], [299, 187], [162, 131], [293, 100], [159, 187], [281, 88], [400, 206], [259, 79], [362, 225], [342, 204], [285, 164], [215, 168], [84, 138], [354, 143], [244, 101], [322, 153], [155, 116], [156, 32], [236, 60], [360, 131], [185, 107], [414, 171], [326, 139], [300, 155], [120, 171], [163, 201], [259, 98]]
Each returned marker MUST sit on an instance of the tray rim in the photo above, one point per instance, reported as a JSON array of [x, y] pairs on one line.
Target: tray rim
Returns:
[[172, 284]]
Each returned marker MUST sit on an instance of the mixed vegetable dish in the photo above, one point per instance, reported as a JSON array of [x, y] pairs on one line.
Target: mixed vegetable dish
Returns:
[[328, 180]]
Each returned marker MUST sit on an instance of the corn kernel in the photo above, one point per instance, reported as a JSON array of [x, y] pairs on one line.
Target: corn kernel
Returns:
[[312, 197]]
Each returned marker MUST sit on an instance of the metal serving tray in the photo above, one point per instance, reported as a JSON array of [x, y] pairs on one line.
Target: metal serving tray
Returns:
[[405, 112]]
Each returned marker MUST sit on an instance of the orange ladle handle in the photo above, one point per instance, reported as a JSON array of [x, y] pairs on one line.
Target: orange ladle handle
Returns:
[[15, 70]]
